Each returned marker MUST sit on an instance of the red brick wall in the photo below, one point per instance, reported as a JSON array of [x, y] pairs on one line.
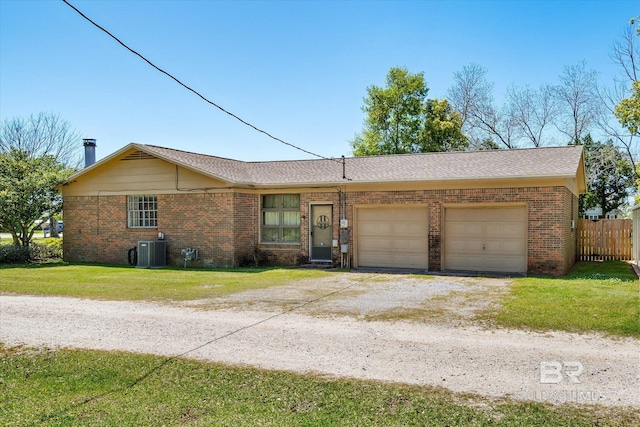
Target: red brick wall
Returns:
[[246, 228], [201, 221], [98, 232], [81, 235], [225, 227]]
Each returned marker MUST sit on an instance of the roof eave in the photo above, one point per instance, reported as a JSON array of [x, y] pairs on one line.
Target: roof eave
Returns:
[[406, 181]]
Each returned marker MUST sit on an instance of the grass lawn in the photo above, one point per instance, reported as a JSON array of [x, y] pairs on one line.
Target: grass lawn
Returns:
[[594, 296], [77, 387], [134, 284]]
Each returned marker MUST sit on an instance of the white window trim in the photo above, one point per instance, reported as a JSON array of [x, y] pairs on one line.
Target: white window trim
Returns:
[[136, 218]]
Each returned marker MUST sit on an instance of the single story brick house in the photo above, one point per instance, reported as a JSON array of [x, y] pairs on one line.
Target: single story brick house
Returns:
[[503, 210]]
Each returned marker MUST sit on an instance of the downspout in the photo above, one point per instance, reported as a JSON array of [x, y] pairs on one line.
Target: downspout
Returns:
[[345, 235]]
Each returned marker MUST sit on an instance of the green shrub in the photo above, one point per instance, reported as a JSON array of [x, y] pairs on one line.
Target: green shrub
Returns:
[[11, 254], [38, 251], [46, 249]]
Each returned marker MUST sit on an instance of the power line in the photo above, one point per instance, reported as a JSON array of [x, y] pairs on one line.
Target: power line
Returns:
[[190, 88]]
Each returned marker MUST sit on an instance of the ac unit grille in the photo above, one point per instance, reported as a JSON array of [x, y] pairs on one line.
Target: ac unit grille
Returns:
[[152, 253]]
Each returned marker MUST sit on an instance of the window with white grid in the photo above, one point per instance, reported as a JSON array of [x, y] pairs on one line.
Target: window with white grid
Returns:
[[142, 211]]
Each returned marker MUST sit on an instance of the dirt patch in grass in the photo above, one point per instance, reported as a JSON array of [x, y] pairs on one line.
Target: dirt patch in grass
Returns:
[[369, 296]]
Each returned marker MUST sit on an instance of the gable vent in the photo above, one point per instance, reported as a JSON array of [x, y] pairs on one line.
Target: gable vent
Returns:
[[138, 155]]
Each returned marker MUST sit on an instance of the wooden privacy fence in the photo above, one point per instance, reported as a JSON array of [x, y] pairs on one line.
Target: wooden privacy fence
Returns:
[[605, 239]]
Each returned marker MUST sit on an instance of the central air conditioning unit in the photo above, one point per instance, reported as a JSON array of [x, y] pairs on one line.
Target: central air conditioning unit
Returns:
[[152, 253]]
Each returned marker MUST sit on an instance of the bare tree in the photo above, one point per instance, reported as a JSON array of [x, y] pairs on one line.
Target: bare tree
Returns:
[[469, 88], [577, 98], [625, 52], [531, 112], [44, 134], [472, 96], [627, 141]]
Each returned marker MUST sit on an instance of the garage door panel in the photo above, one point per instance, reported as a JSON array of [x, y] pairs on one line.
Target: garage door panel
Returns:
[[370, 215], [494, 246], [495, 215], [410, 245], [400, 260], [412, 215], [463, 215], [371, 259], [462, 229], [486, 239], [407, 229], [408, 261], [468, 246], [473, 229], [376, 242], [495, 228], [392, 237], [468, 262], [375, 228]]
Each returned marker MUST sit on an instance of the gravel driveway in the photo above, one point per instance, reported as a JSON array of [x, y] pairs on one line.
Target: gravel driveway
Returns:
[[325, 326]]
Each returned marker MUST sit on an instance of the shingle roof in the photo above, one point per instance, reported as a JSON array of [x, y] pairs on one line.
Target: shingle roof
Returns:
[[466, 165]]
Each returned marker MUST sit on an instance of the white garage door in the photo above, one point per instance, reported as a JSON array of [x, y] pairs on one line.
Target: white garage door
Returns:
[[393, 237], [486, 239]]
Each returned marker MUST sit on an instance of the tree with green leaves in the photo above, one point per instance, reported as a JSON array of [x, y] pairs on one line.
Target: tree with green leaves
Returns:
[[36, 155], [610, 176], [401, 120], [442, 129], [628, 113], [27, 191], [628, 110]]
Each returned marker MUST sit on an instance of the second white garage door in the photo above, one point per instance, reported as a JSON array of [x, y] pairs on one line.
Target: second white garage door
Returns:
[[394, 237], [486, 239]]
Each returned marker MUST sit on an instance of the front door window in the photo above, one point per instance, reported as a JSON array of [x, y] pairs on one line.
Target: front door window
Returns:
[[321, 232]]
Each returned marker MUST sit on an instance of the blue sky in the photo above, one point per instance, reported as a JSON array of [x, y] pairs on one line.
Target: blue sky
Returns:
[[297, 69]]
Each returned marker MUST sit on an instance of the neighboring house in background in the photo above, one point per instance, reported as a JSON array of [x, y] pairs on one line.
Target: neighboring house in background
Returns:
[[596, 213], [501, 210]]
